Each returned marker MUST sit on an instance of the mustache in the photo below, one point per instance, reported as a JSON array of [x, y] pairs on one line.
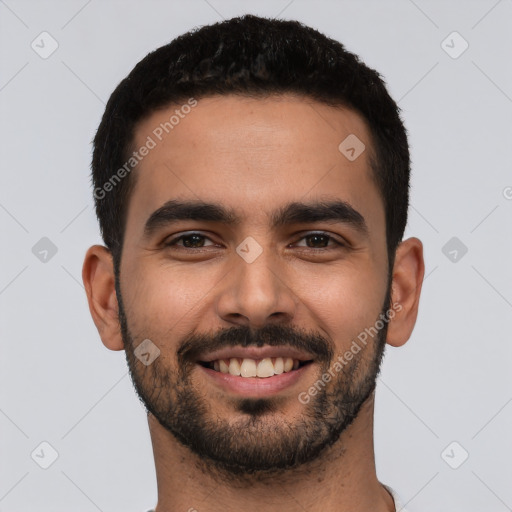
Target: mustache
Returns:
[[273, 335]]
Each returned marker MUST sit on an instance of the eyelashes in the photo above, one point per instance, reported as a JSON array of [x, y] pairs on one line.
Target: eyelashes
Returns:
[[192, 238]]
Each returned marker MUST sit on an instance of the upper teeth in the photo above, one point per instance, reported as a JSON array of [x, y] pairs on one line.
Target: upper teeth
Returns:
[[256, 367]]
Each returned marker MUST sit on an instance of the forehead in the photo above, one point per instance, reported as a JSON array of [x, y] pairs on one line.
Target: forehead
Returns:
[[253, 154]]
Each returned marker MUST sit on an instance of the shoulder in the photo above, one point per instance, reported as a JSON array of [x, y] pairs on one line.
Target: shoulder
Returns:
[[398, 502]]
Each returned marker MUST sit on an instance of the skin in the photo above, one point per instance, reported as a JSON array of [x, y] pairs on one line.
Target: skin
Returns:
[[255, 155]]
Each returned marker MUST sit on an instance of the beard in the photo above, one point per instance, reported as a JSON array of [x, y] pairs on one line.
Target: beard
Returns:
[[260, 440]]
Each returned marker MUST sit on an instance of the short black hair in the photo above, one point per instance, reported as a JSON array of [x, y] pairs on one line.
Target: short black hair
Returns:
[[255, 57]]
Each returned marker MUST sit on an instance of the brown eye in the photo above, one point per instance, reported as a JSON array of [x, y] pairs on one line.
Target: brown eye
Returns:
[[189, 241], [320, 241]]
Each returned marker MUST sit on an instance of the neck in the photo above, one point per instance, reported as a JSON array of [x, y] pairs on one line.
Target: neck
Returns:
[[342, 479]]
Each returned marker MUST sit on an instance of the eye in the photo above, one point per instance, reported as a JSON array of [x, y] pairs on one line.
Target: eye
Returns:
[[315, 241], [322, 239], [190, 241]]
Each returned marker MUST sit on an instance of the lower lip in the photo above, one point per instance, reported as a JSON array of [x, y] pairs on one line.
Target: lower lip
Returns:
[[256, 386]]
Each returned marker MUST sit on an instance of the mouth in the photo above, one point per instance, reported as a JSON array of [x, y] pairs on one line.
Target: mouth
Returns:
[[255, 371], [260, 368]]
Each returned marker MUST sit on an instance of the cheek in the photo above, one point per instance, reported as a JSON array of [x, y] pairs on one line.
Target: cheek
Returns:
[[344, 303], [159, 299]]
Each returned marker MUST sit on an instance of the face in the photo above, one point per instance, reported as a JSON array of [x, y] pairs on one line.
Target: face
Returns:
[[254, 258]]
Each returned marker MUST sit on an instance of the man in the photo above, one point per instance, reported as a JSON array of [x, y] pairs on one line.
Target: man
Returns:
[[251, 183]]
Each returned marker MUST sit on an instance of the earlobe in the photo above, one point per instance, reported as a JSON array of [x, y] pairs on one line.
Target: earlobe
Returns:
[[408, 273], [99, 282]]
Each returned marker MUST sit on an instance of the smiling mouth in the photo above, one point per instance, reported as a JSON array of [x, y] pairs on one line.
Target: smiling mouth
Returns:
[[260, 368]]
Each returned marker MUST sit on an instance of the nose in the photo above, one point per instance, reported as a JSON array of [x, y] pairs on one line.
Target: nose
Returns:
[[256, 293]]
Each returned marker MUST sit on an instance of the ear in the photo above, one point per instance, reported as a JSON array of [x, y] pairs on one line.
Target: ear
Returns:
[[408, 272], [99, 282]]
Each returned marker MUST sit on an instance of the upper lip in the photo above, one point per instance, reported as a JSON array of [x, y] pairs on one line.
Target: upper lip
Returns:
[[254, 353]]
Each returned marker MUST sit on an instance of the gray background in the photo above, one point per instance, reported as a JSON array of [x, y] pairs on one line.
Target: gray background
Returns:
[[450, 383]]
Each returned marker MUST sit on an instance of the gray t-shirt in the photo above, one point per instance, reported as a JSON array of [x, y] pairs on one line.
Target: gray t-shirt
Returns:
[[398, 504]]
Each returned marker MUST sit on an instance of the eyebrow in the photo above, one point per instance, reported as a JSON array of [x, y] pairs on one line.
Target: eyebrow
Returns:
[[292, 213]]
